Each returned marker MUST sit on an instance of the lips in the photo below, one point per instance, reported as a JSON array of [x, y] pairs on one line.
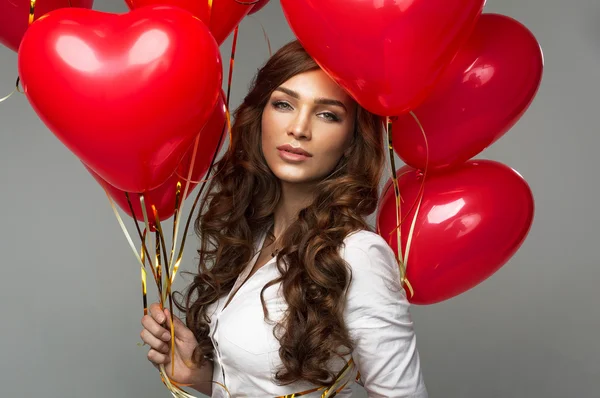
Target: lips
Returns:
[[291, 149]]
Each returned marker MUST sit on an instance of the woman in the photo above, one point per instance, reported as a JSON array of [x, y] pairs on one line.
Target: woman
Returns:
[[291, 283]]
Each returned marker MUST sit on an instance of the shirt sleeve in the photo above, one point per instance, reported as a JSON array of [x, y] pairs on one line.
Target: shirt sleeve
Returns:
[[378, 319]]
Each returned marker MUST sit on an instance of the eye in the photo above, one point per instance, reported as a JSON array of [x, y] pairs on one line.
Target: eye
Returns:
[[330, 116], [281, 105]]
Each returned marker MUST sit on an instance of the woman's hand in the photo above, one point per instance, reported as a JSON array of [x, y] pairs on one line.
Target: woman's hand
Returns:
[[158, 337]]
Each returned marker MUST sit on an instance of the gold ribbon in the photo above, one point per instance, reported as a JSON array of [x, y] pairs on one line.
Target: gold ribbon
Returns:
[[403, 259], [31, 10], [421, 188], [144, 282], [401, 264], [16, 89], [230, 79], [265, 35], [331, 391], [144, 253]]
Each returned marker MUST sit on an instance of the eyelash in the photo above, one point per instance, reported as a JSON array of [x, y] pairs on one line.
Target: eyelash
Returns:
[[330, 116]]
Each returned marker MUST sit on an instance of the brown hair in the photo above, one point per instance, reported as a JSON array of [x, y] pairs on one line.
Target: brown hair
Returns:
[[241, 199]]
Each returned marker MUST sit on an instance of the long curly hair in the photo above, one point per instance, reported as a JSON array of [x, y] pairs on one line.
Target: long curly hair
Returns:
[[241, 199]]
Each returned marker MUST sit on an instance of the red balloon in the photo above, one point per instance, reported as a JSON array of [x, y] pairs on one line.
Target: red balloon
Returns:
[[14, 17], [127, 93], [258, 6], [163, 197], [386, 54], [481, 95], [222, 18], [472, 220]]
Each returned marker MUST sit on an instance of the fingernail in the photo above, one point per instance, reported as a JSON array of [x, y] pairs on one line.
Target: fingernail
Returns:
[[167, 336]]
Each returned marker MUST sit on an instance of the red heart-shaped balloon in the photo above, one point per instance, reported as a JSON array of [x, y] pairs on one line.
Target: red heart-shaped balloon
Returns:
[[386, 54], [222, 17], [472, 219], [484, 91], [163, 198], [14, 17], [125, 93]]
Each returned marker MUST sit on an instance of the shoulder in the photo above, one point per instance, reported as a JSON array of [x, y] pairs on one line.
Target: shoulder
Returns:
[[377, 315], [368, 242], [372, 263], [366, 249]]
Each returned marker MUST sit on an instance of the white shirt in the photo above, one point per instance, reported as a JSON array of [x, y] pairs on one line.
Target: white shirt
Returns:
[[376, 314]]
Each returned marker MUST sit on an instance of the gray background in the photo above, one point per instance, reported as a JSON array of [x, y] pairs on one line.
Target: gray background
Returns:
[[70, 286]]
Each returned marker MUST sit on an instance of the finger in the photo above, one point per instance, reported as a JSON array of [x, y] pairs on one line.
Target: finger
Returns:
[[154, 342], [181, 330], [158, 358], [157, 313], [153, 327]]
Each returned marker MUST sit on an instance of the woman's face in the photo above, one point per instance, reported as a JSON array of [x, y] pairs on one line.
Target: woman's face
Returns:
[[307, 125]]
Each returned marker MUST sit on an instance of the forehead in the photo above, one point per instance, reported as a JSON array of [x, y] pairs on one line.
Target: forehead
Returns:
[[316, 84]]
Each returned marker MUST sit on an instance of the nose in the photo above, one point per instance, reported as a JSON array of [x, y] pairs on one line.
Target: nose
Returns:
[[300, 126]]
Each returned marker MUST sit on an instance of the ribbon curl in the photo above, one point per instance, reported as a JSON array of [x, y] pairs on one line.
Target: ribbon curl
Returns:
[[16, 89]]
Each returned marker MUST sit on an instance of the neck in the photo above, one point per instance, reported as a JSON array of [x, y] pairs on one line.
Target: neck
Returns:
[[294, 197]]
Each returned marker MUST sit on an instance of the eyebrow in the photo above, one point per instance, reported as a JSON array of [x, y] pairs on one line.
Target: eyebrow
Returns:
[[321, 101]]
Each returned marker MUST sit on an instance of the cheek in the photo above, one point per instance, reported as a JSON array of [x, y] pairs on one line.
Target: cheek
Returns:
[[265, 134], [267, 127], [335, 142], [268, 141]]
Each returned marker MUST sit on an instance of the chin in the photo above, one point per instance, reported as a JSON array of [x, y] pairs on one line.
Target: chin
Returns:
[[295, 174], [293, 179]]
